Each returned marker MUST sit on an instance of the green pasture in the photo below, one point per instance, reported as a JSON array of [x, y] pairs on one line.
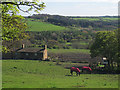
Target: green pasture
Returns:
[[81, 43], [46, 74], [96, 19], [69, 51], [90, 19], [43, 26]]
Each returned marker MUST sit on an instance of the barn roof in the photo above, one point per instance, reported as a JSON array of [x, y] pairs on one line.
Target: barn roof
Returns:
[[30, 50]]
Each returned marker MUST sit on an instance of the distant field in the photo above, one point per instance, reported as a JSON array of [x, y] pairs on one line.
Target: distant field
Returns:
[[81, 43], [43, 74], [96, 19], [43, 26], [69, 51]]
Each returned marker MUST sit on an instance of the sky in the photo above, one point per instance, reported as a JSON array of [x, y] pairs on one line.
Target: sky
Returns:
[[78, 8]]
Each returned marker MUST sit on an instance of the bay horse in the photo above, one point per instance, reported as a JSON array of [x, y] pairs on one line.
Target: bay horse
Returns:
[[74, 69]]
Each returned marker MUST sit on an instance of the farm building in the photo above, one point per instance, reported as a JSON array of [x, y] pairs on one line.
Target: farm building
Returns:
[[27, 53]]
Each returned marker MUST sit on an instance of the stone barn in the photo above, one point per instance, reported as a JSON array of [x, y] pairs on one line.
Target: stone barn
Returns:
[[27, 53]]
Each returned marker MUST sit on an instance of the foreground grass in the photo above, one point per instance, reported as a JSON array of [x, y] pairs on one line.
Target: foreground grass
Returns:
[[69, 51], [36, 74]]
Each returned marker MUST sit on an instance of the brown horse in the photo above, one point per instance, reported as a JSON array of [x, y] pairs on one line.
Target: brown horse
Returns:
[[74, 69]]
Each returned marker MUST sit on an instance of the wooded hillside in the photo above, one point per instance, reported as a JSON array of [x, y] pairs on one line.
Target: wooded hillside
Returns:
[[63, 32]]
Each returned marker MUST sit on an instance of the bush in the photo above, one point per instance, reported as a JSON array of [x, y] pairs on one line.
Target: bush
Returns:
[[46, 60], [74, 61], [62, 61], [83, 62]]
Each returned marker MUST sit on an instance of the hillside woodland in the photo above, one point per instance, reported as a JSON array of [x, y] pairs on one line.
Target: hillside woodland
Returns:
[[63, 32]]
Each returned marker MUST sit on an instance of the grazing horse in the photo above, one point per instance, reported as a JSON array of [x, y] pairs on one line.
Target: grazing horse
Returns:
[[75, 70], [88, 69]]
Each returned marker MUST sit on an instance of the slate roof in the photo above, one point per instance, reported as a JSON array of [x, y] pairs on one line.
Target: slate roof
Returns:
[[30, 50]]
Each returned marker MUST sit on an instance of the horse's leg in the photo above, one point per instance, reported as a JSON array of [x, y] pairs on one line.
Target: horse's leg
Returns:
[[71, 72], [90, 72], [82, 71], [77, 73]]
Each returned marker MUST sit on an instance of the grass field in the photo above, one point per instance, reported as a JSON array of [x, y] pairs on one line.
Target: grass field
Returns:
[[81, 43], [69, 51], [43, 74], [96, 19], [43, 26]]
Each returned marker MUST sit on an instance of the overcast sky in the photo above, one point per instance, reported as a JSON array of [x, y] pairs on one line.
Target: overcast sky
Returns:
[[79, 7]]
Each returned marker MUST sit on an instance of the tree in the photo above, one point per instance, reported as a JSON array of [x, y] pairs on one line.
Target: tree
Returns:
[[105, 45], [13, 7], [13, 25]]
